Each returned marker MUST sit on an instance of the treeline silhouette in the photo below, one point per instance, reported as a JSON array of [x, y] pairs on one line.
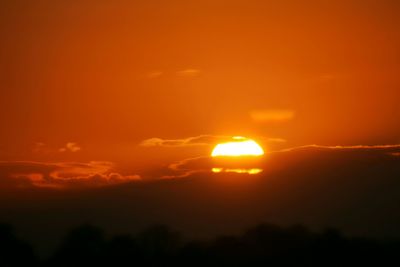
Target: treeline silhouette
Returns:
[[263, 245]]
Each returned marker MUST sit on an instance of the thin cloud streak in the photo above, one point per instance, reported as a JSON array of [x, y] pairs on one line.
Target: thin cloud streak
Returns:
[[188, 73], [201, 140], [338, 147]]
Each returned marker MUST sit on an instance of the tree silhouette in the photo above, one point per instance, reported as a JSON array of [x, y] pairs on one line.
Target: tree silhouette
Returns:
[[13, 251], [83, 246], [263, 245]]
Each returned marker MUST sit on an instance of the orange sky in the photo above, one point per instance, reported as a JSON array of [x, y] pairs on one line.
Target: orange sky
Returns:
[[109, 111], [91, 80]]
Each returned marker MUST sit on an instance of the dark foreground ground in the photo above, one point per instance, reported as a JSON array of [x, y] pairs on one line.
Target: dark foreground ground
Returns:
[[263, 245]]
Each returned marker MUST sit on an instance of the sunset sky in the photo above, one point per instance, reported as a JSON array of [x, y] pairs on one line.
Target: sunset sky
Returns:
[[98, 94]]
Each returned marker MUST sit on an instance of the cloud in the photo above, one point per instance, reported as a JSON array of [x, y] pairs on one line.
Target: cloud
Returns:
[[62, 175], [272, 115], [341, 186], [322, 156], [384, 148], [192, 164], [188, 73], [70, 147], [354, 188], [323, 159], [154, 74], [201, 140], [42, 148]]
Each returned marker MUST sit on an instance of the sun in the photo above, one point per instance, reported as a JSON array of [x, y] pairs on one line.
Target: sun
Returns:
[[240, 146]]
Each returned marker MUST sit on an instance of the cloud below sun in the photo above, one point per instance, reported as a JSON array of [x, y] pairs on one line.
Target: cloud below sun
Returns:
[[62, 175], [95, 174]]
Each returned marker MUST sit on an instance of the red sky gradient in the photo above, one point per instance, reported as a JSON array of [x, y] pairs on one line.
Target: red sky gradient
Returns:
[[85, 81], [109, 111]]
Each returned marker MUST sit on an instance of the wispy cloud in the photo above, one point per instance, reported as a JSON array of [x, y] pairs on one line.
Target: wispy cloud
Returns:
[[200, 140], [154, 74], [42, 148], [70, 147], [183, 73], [188, 72], [387, 148]]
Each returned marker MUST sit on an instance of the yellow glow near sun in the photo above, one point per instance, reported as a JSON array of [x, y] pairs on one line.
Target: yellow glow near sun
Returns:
[[241, 146], [248, 171]]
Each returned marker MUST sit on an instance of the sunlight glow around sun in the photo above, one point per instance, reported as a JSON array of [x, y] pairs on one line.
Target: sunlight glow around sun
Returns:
[[248, 171], [240, 146]]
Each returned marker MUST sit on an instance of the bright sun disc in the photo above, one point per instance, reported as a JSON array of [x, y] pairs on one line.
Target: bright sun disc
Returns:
[[241, 146]]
